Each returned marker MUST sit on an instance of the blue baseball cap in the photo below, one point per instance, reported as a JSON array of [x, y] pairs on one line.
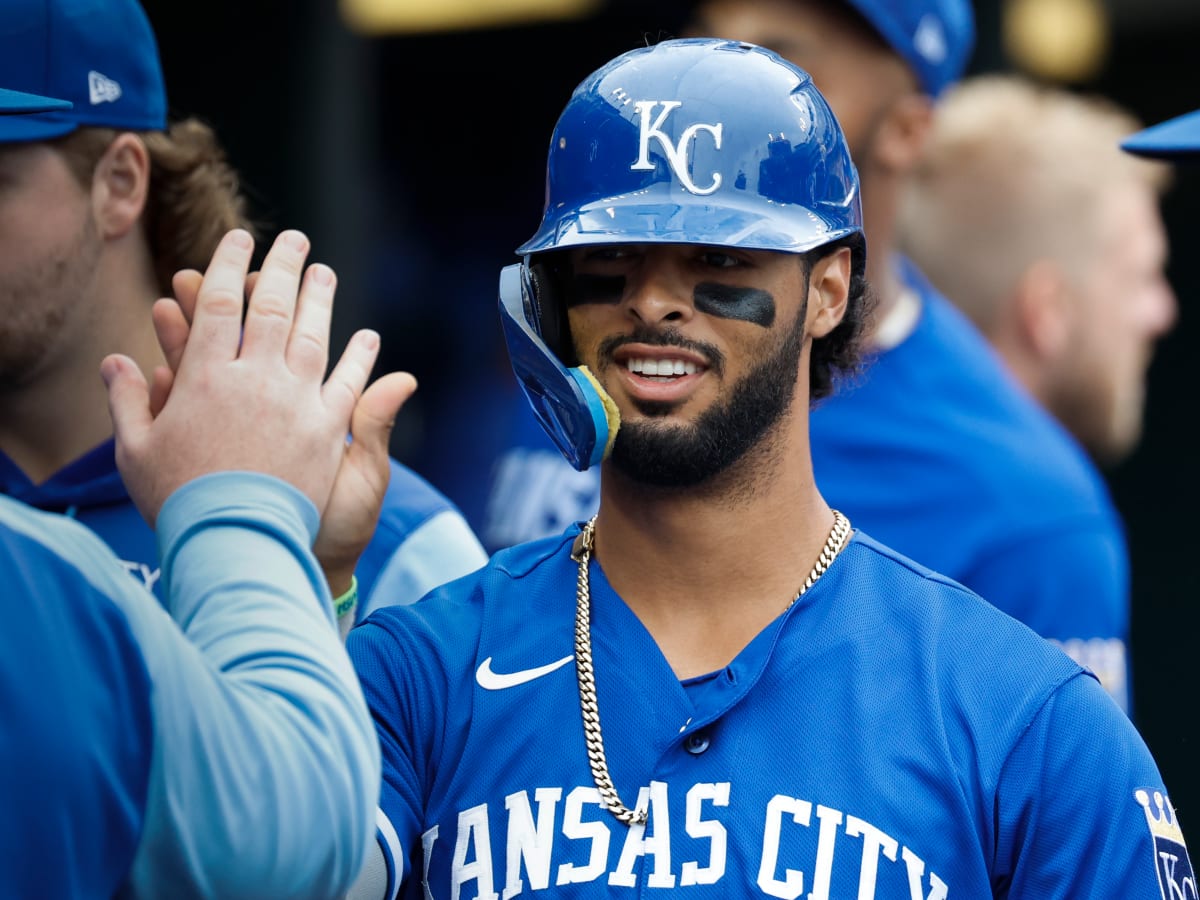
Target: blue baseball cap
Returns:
[[1174, 138], [18, 103], [935, 37], [100, 55]]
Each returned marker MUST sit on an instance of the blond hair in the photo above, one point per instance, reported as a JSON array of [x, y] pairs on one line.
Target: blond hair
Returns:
[[194, 197], [1014, 171]]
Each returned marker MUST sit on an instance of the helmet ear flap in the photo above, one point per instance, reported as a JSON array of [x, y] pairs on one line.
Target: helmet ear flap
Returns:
[[548, 280]]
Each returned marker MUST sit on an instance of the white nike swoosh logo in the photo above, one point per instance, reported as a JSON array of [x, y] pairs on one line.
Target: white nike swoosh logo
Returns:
[[498, 681]]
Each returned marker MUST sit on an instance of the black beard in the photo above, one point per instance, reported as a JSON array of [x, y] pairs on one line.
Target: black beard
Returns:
[[683, 456]]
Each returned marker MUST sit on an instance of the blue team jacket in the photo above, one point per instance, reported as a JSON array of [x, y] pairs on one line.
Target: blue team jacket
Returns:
[[421, 541]]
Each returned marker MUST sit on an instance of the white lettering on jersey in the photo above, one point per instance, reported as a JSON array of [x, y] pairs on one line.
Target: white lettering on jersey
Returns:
[[575, 828], [792, 884], [147, 574], [830, 820], [676, 154], [428, 839], [657, 846], [473, 832], [528, 843], [916, 868], [874, 841], [710, 829], [531, 837]]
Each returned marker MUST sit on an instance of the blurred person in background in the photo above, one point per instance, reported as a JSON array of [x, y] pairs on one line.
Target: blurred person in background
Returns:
[[1050, 239], [933, 447], [102, 205]]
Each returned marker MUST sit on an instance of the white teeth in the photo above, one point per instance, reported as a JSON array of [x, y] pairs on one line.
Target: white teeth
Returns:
[[661, 367]]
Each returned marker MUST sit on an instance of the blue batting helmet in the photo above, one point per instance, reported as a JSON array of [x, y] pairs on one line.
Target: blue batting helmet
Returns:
[[691, 141]]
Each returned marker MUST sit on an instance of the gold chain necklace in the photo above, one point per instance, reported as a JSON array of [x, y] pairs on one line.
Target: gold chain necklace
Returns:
[[586, 674]]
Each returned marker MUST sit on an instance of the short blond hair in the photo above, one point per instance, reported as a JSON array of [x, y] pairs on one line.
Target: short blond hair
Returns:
[[1014, 171]]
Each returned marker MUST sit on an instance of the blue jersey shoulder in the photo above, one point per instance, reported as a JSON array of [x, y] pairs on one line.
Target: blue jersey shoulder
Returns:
[[69, 665]]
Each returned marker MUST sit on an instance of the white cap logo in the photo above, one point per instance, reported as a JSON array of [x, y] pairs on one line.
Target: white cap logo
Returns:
[[102, 89], [930, 39], [677, 154]]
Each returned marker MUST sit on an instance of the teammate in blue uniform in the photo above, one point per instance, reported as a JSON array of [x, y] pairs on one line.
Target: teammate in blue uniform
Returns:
[[112, 201], [934, 448], [219, 747], [718, 685]]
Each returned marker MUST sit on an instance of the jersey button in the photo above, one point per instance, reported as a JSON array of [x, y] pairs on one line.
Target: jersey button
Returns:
[[696, 743]]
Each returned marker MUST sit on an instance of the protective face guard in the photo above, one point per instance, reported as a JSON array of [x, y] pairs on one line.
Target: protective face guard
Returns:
[[565, 400]]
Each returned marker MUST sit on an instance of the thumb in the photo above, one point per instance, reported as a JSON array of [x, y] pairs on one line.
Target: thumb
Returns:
[[128, 399], [375, 413]]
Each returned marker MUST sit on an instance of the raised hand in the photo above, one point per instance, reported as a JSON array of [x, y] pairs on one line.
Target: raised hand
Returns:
[[246, 395], [349, 520]]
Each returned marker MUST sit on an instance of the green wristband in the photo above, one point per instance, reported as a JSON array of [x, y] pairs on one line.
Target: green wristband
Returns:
[[346, 602]]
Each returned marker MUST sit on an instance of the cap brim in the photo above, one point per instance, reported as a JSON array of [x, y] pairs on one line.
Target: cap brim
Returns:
[[1178, 137], [16, 129], [21, 103]]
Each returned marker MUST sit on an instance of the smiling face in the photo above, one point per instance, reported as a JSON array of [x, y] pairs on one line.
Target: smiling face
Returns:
[[704, 349]]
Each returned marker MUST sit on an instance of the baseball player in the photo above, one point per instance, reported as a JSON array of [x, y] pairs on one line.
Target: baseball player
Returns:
[[717, 684], [223, 749], [112, 201], [934, 448], [1060, 260]]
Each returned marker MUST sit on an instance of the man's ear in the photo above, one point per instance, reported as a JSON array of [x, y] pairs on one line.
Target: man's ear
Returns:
[[1042, 310], [120, 185], [904, 131], [828, 292]]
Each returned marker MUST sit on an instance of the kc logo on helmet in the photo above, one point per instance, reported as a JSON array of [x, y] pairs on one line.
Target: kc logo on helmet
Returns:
[[676, 154]]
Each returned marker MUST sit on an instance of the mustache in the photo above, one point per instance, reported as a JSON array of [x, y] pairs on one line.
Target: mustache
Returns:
[[662, 337]]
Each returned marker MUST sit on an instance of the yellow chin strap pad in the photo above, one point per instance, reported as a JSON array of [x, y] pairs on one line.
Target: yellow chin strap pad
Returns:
[[611, 413]]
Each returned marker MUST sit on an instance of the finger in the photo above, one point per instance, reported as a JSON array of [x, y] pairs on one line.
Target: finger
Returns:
[[251, 281], [171, 327], [308, 346], [272, 305], [160, 389], [217, 320], [128, 400], [186, 285], [348, 378], [375, 414]]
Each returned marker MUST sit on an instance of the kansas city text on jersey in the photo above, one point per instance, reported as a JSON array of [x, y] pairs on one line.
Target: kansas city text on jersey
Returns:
[[798, 844]]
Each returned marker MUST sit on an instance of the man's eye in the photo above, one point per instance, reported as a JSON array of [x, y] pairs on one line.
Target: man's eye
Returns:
[[721, 260], [598, 255]]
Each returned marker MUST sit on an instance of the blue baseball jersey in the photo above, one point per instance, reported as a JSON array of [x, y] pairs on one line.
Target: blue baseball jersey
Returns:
[[421, 540], [937, 451], [890, 735], [229, 755], [534, 492]]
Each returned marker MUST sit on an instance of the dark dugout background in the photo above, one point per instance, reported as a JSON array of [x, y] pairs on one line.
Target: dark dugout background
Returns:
[[415, 163]]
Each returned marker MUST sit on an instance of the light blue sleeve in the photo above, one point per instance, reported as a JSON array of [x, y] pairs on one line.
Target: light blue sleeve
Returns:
[[265, 772], [443, 548]]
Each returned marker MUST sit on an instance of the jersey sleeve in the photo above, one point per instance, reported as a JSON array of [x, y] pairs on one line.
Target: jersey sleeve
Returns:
[[1082, 809], [404, 697], [440, 549], [77, 729], [1079, 598], [265, 767]]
